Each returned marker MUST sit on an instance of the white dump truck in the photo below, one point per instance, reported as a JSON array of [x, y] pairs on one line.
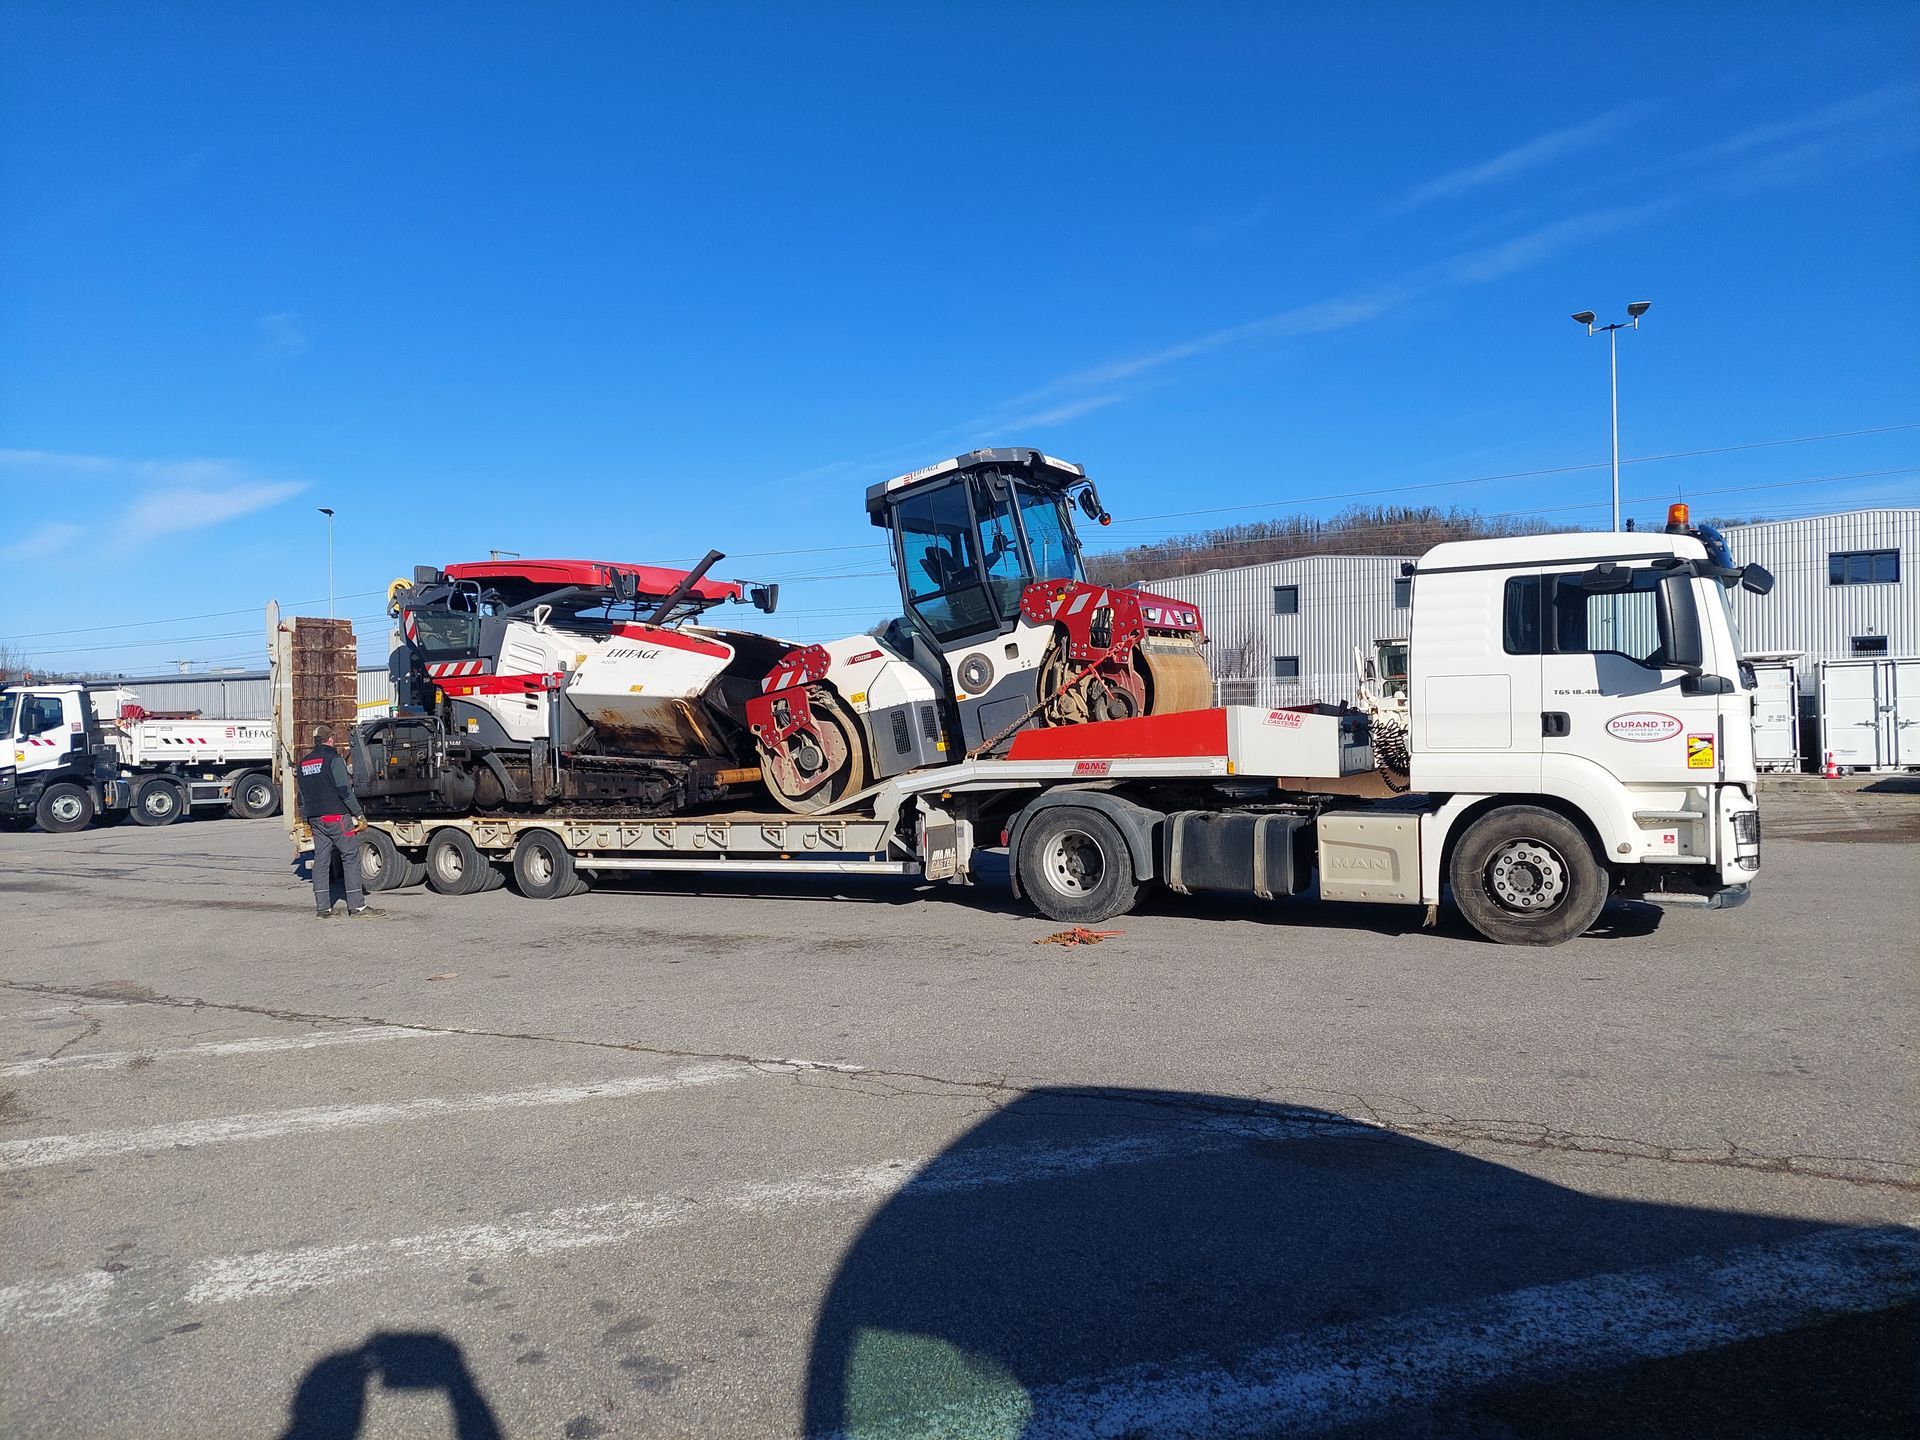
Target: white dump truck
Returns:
[[72, 755], [1576, 722]]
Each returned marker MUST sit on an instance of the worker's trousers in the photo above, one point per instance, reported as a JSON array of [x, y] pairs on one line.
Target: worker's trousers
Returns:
[[331, 837]]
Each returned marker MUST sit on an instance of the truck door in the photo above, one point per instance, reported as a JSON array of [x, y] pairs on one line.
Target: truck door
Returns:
[[1613, 688], [44, 731], [1904, 715]]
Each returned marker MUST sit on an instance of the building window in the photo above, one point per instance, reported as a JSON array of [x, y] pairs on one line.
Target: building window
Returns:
[[1863, 567], [1403, 592], [1286, 667], [1286, 599], [1869, 644]]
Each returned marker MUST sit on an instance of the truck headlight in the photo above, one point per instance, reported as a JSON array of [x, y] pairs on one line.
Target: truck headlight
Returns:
[[1746, 836]]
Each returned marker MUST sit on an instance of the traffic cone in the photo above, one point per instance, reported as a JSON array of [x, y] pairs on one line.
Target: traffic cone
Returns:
[[1830, 771]]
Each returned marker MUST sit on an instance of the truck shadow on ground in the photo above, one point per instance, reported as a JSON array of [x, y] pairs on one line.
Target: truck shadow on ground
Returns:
[[1172, 1263], [331, 1401]]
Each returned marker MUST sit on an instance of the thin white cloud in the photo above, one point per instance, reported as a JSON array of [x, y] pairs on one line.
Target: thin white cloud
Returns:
[[282, 333], [159, 497], [1060, 414], [1539, 151], [44, 542], [171, 512]]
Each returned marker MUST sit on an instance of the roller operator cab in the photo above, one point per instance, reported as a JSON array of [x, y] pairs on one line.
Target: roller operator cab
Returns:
[[1601, 673], [1000, 631]]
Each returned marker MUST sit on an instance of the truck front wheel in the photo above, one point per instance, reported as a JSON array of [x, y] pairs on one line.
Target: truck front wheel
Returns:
[[1523, 875], [1075, 866], [64, 808]]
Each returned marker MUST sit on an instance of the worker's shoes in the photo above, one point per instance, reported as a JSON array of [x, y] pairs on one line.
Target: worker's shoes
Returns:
[[362, 913], [323, 914]]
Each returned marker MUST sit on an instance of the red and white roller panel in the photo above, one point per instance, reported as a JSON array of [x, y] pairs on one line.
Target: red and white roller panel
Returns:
[[456, 669]]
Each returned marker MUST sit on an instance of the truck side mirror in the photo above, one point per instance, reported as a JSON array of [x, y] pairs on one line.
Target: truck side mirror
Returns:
[[1685, 647], [1756, 579], [626, 585], [765, 598]]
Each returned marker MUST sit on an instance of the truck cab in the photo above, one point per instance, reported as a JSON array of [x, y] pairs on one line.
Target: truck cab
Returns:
[[1601, 673], [53, 768]]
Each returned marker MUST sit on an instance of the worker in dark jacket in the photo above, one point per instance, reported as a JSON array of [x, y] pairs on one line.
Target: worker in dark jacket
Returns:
[[333, 811]]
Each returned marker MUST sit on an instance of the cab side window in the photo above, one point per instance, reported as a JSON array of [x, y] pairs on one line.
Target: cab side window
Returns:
[[42, 715]]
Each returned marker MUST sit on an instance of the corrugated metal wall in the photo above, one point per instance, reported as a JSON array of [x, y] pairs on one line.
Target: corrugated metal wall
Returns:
[[243, 696], [1805, 612], [1345, 601]]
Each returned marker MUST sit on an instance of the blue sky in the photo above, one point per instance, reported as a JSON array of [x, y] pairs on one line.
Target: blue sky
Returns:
[[631, 281]]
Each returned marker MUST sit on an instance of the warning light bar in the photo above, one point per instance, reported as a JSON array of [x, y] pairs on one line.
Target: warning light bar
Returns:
[[1677, 518]]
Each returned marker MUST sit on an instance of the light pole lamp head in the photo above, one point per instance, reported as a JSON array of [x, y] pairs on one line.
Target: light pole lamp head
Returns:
[[1584, 317], [1637, 308], [325, 510]]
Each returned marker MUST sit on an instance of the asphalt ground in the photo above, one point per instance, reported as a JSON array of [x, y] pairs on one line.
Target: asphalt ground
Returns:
[[711, 1158]]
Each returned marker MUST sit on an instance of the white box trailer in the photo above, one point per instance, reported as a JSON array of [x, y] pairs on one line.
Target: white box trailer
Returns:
[[1870, 713]]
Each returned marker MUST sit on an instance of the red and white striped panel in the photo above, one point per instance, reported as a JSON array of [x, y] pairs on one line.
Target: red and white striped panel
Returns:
[[455, 669]]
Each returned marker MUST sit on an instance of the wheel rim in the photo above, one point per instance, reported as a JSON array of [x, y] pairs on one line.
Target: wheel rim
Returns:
[[539, 865], [157, 802], [257, 796], [65, 808], [371, 865], [1528, 877], [1074, 863], [450, 864]]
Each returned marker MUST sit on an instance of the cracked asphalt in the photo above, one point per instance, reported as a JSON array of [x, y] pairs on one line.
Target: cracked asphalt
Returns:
[[717, 1158]]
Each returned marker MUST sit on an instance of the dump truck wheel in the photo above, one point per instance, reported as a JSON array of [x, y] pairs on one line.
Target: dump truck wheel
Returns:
[[158, 801], [542, 867], [254, 796], [1075, 866], [454, 865], [1523, 875], [64, 808]]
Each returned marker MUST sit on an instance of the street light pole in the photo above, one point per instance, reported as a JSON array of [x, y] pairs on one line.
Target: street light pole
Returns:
[[326, 511], [1632, 322]]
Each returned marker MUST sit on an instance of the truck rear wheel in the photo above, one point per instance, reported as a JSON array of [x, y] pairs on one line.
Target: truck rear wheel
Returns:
[[383, 866], [158, 801], [1523, 875], [254, 796], [64, 808], [1075, 866], [543, 867], [455, 865]]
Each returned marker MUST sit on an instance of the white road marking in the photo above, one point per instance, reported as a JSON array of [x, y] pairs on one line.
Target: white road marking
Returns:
[[1344, 1374], [224, 1129], [243, 1277], [48, 1302], [113, 1059], [70, 1007]]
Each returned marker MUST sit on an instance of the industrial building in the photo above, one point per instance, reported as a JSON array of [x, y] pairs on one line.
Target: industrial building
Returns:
[[234, 695], [1844, 616]]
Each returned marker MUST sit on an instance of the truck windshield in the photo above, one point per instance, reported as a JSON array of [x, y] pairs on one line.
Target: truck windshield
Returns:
[[1748, 680], [8, 704], [1050, 537]]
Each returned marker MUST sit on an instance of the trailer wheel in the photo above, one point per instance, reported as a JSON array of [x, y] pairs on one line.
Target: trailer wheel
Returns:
[[1075, 866], [64, 808], [383, 866], [455, 865], [254, 796], [1523, 875], [543, 868], [158, 801]]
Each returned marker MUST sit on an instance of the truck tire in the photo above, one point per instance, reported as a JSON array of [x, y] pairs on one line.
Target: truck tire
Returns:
[[1075, 866], [543, 868], [383, 866], [455, 865], [253, 796], [1524, 875], [64, 808], [158, 801]]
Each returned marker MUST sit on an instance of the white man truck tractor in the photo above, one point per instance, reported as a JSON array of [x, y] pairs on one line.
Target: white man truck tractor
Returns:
[[1577, 724]]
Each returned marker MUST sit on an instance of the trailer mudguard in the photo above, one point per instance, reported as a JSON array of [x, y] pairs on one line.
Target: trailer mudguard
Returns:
[[1139, 824]]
